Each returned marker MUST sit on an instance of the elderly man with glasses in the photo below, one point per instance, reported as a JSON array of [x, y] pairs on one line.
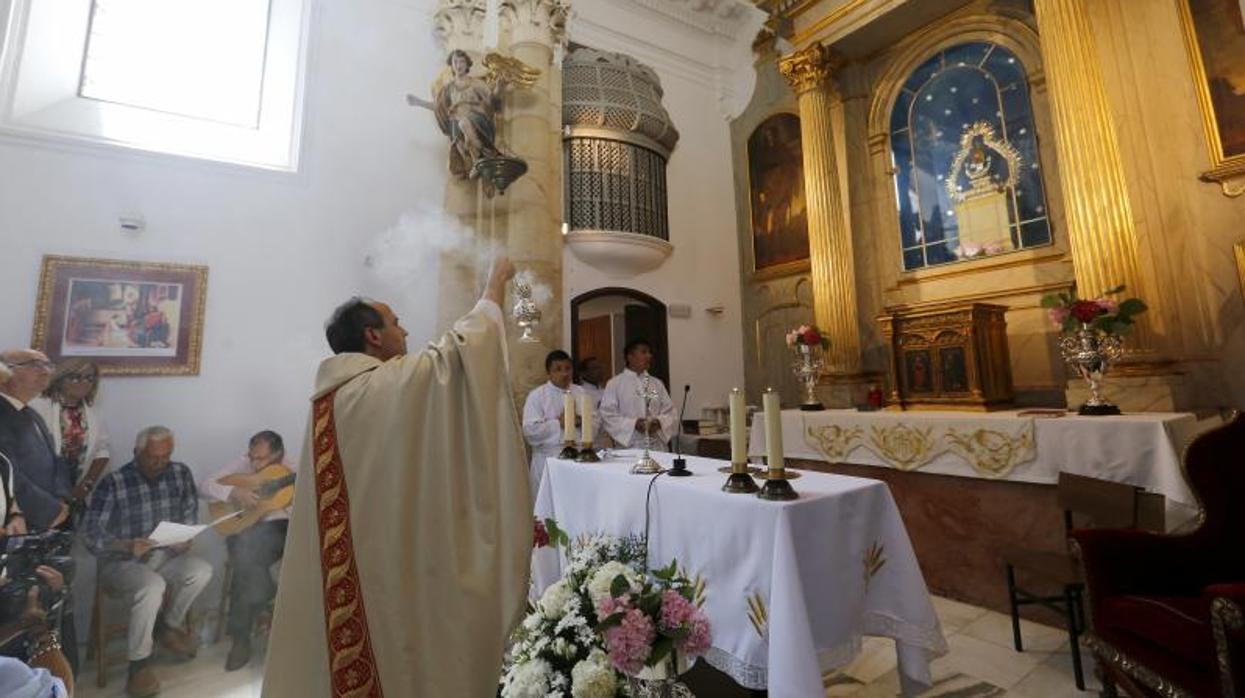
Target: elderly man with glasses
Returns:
[[43, 482]]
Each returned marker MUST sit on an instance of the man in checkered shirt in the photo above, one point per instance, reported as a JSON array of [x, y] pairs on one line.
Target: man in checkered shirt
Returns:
[[123, 510]]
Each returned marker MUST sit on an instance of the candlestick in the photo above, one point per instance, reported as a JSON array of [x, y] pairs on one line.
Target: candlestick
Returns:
[[776, 485], [587, 454]]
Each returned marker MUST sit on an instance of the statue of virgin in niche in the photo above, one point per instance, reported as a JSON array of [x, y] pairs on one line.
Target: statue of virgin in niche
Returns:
[[466, 108]]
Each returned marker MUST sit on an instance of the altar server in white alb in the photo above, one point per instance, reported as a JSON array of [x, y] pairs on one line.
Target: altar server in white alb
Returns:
[[544, 424], [622, 408]]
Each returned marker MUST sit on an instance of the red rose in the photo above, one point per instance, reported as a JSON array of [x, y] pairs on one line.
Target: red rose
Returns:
[[811, 337], [1087, 311], [541, 537]]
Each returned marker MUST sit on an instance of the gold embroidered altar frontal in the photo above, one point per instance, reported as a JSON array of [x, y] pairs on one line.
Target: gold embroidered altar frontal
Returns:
[[948, 356]]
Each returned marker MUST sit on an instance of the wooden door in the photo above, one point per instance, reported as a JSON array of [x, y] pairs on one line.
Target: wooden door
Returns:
[[649, 323], [593, 339]]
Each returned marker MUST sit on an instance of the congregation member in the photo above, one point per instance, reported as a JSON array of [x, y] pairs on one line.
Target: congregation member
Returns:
[[253, 550], [121, 514], [426, 524], [12, 520], [543, 415], [591, 378], [79, 435], [43, 483], [622, 408]]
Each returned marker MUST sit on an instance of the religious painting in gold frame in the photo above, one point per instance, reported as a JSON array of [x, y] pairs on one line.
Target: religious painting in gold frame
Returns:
[[779, 213], [130, 318], [1214, 33]]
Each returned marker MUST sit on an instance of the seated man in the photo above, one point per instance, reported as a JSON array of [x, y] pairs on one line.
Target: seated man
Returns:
[[122, 512], [542, 415], [622, 408], [253, 550]]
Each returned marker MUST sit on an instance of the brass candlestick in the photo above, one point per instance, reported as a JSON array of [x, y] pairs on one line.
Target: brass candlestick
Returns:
[[587, 454], [777, 487], [740, 480], [569, 452]]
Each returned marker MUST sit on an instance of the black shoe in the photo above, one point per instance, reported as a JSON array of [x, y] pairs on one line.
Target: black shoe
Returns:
[[239, 655]]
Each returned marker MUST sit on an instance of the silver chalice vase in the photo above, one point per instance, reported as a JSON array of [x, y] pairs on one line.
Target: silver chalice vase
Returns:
[[1090, 352], [807, 369], [646, 465], [526, 314]]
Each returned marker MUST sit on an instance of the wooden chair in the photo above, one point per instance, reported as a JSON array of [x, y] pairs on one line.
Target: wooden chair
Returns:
[[1103, 504], [226, 585], [104, 632]]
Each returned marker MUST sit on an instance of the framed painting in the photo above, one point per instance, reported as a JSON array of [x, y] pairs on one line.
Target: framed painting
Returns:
[[130, 318], [776, 196], [1214, 33]]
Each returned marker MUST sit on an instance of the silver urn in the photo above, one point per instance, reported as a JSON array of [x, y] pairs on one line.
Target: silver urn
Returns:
[[1090, 352]]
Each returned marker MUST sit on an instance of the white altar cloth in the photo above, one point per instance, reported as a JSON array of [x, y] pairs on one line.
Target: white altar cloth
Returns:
[[1140, 449], [791, 587]]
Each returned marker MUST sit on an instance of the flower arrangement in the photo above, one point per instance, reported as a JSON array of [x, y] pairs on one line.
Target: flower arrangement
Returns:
[[605, 620], [807, 335], [1069, 313]]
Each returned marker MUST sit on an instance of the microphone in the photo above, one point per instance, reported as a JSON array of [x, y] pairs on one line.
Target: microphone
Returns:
[[680, 463]]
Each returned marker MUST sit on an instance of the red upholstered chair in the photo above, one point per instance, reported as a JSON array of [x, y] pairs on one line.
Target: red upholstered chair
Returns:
[[1166, 611]]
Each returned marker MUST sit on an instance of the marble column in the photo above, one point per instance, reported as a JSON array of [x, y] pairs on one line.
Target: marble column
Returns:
[[830, 240]]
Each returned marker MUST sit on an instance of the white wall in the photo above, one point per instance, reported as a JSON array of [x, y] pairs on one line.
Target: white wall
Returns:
[[705, 351], [282, 250]]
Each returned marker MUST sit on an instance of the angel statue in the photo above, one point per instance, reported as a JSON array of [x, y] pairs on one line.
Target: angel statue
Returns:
[[466, 108]]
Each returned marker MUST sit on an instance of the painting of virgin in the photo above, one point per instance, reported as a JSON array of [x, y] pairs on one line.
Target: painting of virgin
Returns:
[[776, 192]]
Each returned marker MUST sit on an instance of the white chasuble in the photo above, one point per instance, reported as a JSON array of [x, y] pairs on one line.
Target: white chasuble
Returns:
[[406, 563], [621, 406]]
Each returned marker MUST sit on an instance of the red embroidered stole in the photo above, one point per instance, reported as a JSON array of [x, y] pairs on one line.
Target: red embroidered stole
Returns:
[[352, 664]]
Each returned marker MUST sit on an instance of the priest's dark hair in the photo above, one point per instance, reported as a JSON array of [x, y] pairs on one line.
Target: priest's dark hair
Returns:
[[276, 445], [345, 328], [555, 355], [636, 344]]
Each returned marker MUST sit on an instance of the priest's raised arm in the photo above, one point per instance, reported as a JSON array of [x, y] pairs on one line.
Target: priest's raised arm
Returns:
[[406, 562]]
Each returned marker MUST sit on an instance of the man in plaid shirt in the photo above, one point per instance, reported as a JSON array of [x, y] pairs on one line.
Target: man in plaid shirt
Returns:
[[123, 510]]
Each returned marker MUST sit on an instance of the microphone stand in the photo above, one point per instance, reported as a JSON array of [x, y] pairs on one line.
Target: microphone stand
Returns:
[[680, 463]]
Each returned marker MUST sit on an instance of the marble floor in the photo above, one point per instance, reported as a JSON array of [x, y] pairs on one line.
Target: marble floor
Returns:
[[981, 664]]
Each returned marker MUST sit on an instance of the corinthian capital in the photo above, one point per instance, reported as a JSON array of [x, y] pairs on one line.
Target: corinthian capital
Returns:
[[809, 68], [541, 21], [459, 24]]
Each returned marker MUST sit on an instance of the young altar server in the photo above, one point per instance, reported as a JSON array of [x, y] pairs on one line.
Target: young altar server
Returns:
[[544, 424], [622, 408]]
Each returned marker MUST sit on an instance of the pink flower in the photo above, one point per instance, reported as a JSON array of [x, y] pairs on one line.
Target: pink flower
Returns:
[[1058, 315], [1108, 305], [677, 612], [630, 642], [697, 641], [610, 605]]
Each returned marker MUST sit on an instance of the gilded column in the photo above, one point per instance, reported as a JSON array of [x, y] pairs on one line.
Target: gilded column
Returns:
[[830, 241], [1100, 220]]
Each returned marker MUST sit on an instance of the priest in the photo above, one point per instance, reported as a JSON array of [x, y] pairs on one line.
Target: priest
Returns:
[[406, 563], [622, 407]]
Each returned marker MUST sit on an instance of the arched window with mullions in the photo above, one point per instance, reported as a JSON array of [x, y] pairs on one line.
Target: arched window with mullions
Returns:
[[964, 149]]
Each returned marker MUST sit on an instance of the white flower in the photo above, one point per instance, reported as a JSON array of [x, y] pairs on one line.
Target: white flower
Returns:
[[556, 598], [593, 677], [603, 578], [528, 680], [564, 649]]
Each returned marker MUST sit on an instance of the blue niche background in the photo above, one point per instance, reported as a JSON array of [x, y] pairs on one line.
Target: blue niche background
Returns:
[[940, 100]]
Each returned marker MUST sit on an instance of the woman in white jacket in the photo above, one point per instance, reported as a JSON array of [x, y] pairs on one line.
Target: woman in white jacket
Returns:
[[78, 431]]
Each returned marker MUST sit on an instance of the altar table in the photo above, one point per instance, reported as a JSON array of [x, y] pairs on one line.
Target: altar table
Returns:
[[1138, 449], [791, 587]]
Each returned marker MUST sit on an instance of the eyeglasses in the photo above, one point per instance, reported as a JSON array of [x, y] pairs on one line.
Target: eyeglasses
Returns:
[[36, 363], [80, 378]]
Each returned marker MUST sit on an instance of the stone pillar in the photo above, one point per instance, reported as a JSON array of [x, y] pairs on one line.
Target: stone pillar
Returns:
[[830, 240], [534, 31], [1100, 220]]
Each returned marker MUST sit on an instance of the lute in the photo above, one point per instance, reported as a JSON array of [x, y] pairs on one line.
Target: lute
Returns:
[[274, 485]]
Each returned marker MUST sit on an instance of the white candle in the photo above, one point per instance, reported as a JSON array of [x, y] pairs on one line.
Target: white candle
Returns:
[[773, 430], [568, 417], [585, 411], [739, 426]]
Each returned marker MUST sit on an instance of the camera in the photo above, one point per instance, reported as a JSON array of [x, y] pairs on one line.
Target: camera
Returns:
[[19, 556]]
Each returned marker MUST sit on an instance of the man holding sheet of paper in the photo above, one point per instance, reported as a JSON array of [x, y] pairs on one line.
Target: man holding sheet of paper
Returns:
[[123, 512]]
